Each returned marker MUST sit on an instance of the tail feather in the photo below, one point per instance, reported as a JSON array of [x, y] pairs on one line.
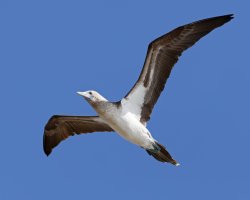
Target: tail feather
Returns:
[[162, 155]]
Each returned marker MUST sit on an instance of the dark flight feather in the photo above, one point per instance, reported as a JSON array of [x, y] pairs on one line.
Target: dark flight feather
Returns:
[[59, 128], [163, 53]]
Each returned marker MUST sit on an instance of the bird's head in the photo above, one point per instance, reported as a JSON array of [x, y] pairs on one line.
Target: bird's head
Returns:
[[92, 96]]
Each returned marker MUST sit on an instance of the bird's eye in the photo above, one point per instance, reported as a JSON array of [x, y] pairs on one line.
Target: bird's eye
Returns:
[[90, 93]]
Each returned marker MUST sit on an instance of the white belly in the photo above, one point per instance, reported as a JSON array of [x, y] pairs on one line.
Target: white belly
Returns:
[[128, 127]]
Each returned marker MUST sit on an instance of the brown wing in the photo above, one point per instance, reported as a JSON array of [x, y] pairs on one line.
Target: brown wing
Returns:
[[59, 128], [162, 54]]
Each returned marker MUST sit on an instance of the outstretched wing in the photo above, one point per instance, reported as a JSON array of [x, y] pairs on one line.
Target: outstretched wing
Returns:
[[162, 54], [59, 128]]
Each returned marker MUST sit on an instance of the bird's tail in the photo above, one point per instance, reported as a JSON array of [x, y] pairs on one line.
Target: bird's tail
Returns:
[[160, 153]]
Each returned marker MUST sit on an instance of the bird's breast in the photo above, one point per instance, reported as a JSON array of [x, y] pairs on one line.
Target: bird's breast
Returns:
[[128, 127]]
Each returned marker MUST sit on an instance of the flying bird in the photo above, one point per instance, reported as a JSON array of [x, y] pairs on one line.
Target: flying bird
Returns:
[[129, 116]]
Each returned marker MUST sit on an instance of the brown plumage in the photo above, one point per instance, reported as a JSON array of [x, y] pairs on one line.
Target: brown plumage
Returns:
[[163, 53], [59, 128]]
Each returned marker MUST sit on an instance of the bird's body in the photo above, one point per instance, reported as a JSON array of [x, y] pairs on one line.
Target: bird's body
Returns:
[[125, 124], [129, 116]]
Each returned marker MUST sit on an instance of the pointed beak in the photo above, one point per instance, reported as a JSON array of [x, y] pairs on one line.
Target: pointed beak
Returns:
[[84, 94], [81, 93]]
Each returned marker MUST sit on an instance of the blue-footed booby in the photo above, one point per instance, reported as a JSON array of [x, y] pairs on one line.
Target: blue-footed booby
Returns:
[[129, 116]]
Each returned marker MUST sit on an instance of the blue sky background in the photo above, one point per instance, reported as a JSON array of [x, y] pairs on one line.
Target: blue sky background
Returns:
[[51, 49]]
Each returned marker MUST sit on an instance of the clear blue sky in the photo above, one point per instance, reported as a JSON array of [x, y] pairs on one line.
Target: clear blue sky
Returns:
[[51, 49]]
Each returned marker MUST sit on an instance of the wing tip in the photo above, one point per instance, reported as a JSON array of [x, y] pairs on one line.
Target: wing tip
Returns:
[[225, 18], [46, 147], [46, 150], [229, 17], [47, 154]]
